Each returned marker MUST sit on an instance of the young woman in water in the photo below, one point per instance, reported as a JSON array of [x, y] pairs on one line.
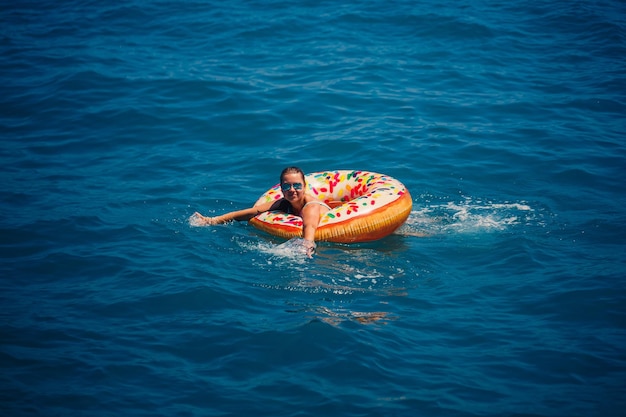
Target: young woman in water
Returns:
[[295, 201]]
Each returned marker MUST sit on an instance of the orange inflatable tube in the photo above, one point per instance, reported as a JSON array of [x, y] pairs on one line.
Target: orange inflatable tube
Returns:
[[365, 206]]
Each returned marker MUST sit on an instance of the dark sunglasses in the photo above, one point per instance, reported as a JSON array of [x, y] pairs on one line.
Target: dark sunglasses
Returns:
[[286, 186]]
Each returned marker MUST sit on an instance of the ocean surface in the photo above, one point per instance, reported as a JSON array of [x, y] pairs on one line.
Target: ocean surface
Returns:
[[120, 119]]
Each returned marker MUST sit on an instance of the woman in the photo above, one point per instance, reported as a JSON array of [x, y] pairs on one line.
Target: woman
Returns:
[[295, 201]]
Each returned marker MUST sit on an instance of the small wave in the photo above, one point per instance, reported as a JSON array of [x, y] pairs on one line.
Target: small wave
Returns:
[[334, 316], [467, 216], [336, 269]]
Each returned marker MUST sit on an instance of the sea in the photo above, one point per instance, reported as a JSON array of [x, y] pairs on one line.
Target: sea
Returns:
[[503, 294]]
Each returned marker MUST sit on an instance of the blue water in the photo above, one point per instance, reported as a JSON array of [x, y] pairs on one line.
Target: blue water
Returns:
[[505, 120]]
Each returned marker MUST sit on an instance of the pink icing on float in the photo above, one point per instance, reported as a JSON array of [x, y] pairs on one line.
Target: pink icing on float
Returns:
[[365, 206]]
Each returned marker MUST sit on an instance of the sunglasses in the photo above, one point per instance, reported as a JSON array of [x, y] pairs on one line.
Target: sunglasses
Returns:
[[286, 186]]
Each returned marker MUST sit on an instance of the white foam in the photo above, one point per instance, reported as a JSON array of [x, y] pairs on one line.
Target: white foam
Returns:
[[292, 250], [466, 216], [196, 222]]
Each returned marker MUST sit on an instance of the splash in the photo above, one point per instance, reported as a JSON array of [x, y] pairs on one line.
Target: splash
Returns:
[[292, 251], [467, 216], [293, 247], [195, 222]]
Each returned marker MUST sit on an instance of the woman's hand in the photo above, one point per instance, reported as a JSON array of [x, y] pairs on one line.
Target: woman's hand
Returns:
[[198, 219], [310, 247]]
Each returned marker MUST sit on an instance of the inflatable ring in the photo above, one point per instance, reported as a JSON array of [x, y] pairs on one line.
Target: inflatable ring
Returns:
[[365, 206]]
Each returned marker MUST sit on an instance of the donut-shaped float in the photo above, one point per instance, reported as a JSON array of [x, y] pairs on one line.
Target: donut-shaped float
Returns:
[[365, 206]]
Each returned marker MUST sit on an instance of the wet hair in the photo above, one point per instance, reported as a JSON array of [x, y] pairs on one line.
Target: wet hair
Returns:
[[292, 170]]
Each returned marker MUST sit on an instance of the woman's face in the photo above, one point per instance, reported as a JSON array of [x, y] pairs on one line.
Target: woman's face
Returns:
[[289, 184]]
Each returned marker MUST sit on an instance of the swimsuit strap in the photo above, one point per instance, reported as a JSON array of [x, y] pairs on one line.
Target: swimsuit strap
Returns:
[[317, 202]]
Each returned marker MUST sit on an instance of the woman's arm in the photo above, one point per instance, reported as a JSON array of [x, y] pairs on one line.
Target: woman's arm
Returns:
[[239, 215], [310, 222]]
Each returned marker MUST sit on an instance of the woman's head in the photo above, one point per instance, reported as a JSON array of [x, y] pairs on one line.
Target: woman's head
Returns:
[[292, 170], [292, 183]]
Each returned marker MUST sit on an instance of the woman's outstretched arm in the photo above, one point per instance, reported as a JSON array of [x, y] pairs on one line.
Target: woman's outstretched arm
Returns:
[[238, 215]]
